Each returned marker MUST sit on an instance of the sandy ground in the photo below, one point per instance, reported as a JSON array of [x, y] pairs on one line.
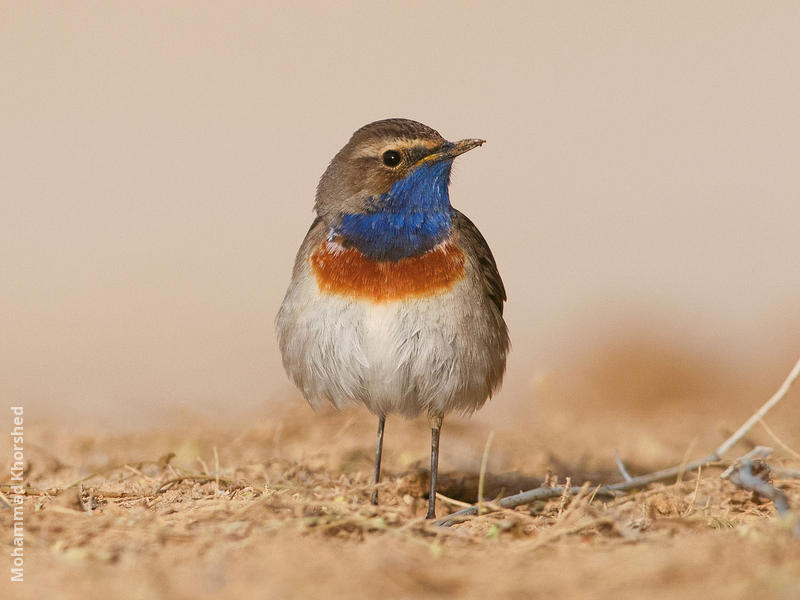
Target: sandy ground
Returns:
[[277, 507]]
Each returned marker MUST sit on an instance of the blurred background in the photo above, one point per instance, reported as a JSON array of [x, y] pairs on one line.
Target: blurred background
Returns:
[[639, 189]]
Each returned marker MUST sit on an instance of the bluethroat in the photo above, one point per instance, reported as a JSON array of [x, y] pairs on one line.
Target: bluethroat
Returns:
[[395, 301]]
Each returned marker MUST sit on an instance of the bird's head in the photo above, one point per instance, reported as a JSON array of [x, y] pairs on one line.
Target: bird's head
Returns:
[[386, 191]]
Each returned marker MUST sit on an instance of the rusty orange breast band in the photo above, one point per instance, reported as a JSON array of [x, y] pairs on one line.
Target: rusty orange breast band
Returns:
[[346, 271]]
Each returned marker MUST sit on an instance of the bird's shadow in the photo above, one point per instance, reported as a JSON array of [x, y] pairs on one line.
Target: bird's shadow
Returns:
[[463, 485]]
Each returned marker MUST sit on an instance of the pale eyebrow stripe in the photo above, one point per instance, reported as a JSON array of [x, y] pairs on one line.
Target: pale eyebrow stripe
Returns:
[[405, 144]]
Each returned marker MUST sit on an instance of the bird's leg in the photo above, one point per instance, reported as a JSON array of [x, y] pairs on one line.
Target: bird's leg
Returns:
[[436, 427], [378, 453]]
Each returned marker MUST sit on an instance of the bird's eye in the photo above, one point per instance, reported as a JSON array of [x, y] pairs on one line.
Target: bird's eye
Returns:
[[391, 158]]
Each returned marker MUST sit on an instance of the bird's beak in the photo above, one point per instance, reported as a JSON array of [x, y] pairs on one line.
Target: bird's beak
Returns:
[[450, 150]]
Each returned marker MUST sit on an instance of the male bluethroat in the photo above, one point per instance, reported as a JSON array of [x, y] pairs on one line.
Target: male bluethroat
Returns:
[[395, 301]]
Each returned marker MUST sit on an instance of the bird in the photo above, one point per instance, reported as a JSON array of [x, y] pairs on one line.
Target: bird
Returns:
[[395, 301]]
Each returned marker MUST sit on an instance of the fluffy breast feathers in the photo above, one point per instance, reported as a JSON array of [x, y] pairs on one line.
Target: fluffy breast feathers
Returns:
[[346, 271]]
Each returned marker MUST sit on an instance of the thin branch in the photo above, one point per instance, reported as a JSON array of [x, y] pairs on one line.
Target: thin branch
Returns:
[[759, 414], [621, 466], [482, 476], [452, 501], [746, 478], [778, 440], [757, 453], [754, 475], [543, 493], [684, 460], [692, 502], [606, 491]]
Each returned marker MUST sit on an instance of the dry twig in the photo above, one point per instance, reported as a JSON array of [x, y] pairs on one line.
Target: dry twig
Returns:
[[543, 493], [754, 475], [621, 466], [482, 475]]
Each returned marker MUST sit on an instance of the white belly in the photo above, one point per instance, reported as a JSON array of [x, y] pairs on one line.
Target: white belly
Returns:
[[402, 357], [381, 347]]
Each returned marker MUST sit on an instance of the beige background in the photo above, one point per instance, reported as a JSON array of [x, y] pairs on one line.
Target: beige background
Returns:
[[158, 163]]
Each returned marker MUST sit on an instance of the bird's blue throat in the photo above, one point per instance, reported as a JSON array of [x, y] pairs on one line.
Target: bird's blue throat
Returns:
[[411, 219]]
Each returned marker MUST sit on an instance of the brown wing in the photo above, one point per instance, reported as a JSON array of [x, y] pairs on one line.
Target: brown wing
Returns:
[[477, 246], [314, 235]]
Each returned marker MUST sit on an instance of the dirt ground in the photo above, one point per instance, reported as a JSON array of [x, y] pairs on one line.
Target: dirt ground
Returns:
[[278, 506]]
